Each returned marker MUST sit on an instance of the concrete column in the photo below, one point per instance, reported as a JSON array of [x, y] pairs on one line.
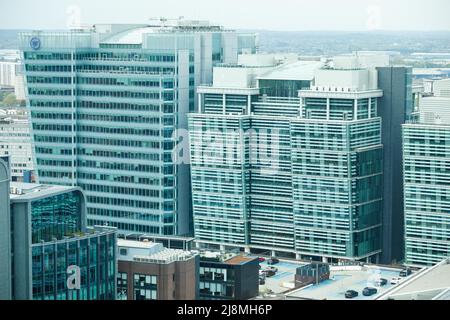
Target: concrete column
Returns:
[[224, 103], [273, 253], [200, 103], [355, 110], [328, 108], [222, 247], [301, 107], [298, 256], [247, 250], [249, 105], [324, 259], [370, 108]]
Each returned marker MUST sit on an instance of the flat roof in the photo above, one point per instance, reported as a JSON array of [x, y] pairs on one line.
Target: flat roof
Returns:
[[151, 252], [239, 260], [299, 70], [20, 191], [136, 244], [347, 278], [230, 258], [427, 283]]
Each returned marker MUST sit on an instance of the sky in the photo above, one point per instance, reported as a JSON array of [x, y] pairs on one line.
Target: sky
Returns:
[[277, 15]]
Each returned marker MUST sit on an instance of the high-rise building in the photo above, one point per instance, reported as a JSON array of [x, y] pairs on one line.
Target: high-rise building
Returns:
[[55, 257], [299, 172], [395, 108], [5, 231], [15, 141], [426, 171], [105, 103], [148, 271], [9, 69], [441, 88]]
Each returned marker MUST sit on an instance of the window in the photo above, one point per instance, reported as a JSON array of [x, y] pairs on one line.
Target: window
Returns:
[[122, 286], [145, 287]]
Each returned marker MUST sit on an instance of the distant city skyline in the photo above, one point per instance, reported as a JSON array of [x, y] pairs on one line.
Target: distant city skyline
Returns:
[[280, 15]]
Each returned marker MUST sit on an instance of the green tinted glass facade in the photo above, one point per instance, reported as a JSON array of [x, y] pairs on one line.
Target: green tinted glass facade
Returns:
[[56, 217], [93, 254], [314, 191], [105, 104], [426, 154]]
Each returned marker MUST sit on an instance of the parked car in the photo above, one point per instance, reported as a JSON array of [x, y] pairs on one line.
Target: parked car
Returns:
[[350, 294], [367, 292], [270, 273], [261, 259], [272, 269], [405, 273], [273, 261], [262, 281], [395, 281], [381, 282]]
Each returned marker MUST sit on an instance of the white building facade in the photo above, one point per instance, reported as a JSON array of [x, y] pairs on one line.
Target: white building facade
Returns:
[[15, 141]]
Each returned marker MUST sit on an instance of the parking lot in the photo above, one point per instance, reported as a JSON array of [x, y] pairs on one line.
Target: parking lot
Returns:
[[285, 274], [341, 281], [333, 289]]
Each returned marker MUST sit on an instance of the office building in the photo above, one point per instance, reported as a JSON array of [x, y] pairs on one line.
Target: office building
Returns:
[[9, 69], [288, 159], [51, 244], [228, 276], [105, 105], [148, 271], [11, 72], [19, 87], [426, 163], [5, 231], [395, 108], [15, 141], [441, 88]]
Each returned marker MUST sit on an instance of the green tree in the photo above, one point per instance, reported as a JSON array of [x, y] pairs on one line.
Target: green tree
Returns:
[[9, 99]]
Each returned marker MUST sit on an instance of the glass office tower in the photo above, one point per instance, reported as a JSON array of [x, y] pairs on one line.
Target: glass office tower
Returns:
[[105, 103], [299, 173], [50, 239], [5, 230], [395, 108], [426, 165]]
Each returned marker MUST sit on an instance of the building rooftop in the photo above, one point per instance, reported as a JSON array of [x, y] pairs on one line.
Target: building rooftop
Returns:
[[230, 258], [134, 34], [237, 260], [343, 278], [299, 70], [32, 191], [427, 284], [150, 252], [435, 110]]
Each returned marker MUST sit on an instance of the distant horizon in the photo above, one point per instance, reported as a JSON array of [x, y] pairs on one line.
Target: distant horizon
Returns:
[[273, 15], [254, 30]]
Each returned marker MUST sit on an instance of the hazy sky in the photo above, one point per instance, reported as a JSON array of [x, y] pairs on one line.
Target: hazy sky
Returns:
[[242, 14]]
